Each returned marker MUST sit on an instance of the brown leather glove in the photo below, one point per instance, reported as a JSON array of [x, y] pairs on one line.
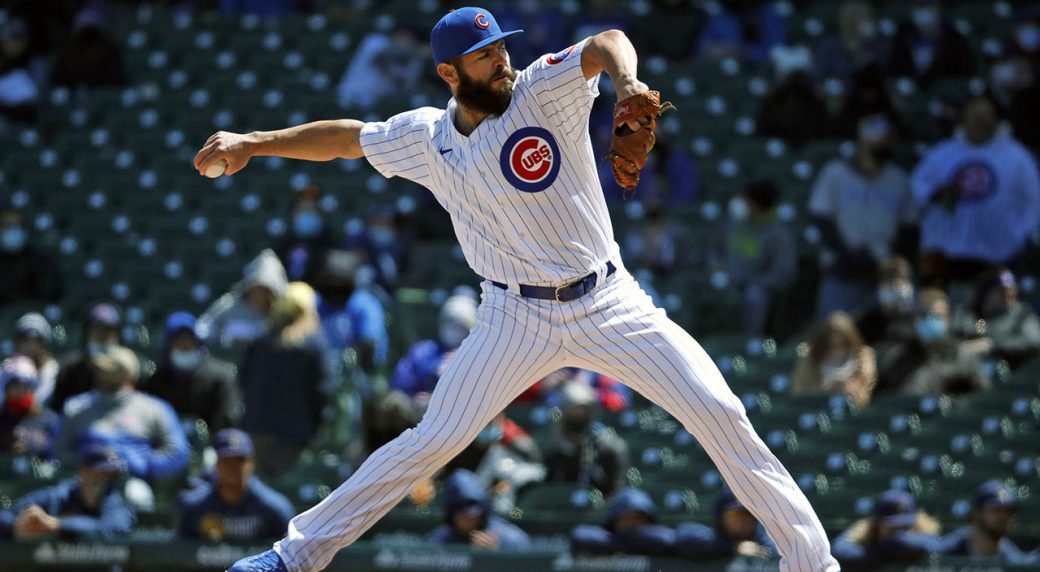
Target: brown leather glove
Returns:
[[628, 148]]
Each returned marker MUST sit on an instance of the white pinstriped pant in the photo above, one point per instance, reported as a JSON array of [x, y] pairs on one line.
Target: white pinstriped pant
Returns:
[[615, 330]]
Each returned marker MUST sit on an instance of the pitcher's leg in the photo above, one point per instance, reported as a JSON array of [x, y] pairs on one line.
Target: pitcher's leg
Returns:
[[497, 361], [625, 337]]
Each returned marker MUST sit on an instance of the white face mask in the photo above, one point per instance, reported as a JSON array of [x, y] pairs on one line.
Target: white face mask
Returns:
[[738, 209], [895, 297], [185, 360], [13, 238]]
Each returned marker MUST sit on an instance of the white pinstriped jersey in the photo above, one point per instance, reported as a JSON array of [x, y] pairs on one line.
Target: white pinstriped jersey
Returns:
[[522, 190]]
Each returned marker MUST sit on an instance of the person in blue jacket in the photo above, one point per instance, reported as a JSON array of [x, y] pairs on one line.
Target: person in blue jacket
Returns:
[[631, 528], [895, 533], [736, 532], [237, 506], [993, 507], [89, 506], [469, 519]]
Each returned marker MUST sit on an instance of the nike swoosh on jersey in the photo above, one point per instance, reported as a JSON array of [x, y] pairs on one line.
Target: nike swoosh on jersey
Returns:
[[445, 151]]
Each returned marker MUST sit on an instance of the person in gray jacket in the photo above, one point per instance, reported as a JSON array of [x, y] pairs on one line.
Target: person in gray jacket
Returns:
[[240, 316], [141, 429]]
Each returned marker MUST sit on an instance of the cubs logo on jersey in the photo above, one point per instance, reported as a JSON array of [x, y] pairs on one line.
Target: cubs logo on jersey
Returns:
[[975, 180], [559, 56], [530, 159]]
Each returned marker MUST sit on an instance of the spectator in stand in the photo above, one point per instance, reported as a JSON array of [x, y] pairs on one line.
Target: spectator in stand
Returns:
[[504, 456], [195, 383], [660, 243], [240, 316], [896, 533], [29, 274], [89, 506], [285, 381], [384, 66], [836, 361], [351, 316], [387, 245], [1002, 327], [736, 533], [309, 239], [867, 96], [612, 395], [890, 320], [469, 520], [26, 426], [19, 93], [101, 329], [854, 46], [32, 339], [965, 186], [862, 208], [142, 430], [759, 254], [631, 528], [747, 30], [792, 110], [932, 363], [1014, 81], [418, 371], [237, 506], [583, 451], [91, 57], [992, 512], [929, 47]]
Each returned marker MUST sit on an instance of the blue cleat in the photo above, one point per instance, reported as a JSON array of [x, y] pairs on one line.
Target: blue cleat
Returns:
[[264, 562]]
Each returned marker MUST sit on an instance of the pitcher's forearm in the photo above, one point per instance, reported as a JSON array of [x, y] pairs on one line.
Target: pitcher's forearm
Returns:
[[316, 141]]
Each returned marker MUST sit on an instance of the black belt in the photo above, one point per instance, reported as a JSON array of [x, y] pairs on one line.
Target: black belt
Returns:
[[571, 291]]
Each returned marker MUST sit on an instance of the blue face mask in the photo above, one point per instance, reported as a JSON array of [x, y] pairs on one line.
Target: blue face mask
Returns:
[[382, 236], [490, 435], [307, 224], [13, 238], [930, 328], [185, 360]]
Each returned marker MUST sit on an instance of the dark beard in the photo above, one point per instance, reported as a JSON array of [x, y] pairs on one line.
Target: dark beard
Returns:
[[481, 97]]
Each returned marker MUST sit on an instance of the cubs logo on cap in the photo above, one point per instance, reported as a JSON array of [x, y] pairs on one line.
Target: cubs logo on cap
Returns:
[[464, 30], [530, 159], [559, 56]]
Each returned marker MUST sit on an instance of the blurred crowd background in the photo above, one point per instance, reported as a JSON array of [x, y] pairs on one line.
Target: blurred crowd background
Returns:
[[844, 211]]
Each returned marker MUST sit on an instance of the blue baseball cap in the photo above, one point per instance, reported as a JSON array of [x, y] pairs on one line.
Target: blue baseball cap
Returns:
[[233, 443], [994, 493], [101, 456], [896, 508], [464, 30]]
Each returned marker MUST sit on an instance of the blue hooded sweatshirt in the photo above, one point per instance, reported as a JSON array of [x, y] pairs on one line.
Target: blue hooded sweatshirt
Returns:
[[649, 539], [702, 542], [463, 491]]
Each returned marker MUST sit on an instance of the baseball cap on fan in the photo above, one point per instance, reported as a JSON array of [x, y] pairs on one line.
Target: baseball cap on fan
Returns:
[[464, 30]]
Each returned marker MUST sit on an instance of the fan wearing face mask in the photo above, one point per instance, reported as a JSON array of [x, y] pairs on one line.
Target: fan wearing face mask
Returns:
[[928, 47], [28, 273], [855, 44], [759, 254], [836, 361], [862, 207], [191, 380], [26, 426], [1000, 325], [932, 363], [889, 320], [309, 237], [102, 327]]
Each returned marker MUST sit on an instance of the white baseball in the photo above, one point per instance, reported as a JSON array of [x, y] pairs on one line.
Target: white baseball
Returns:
[[216, 169]]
